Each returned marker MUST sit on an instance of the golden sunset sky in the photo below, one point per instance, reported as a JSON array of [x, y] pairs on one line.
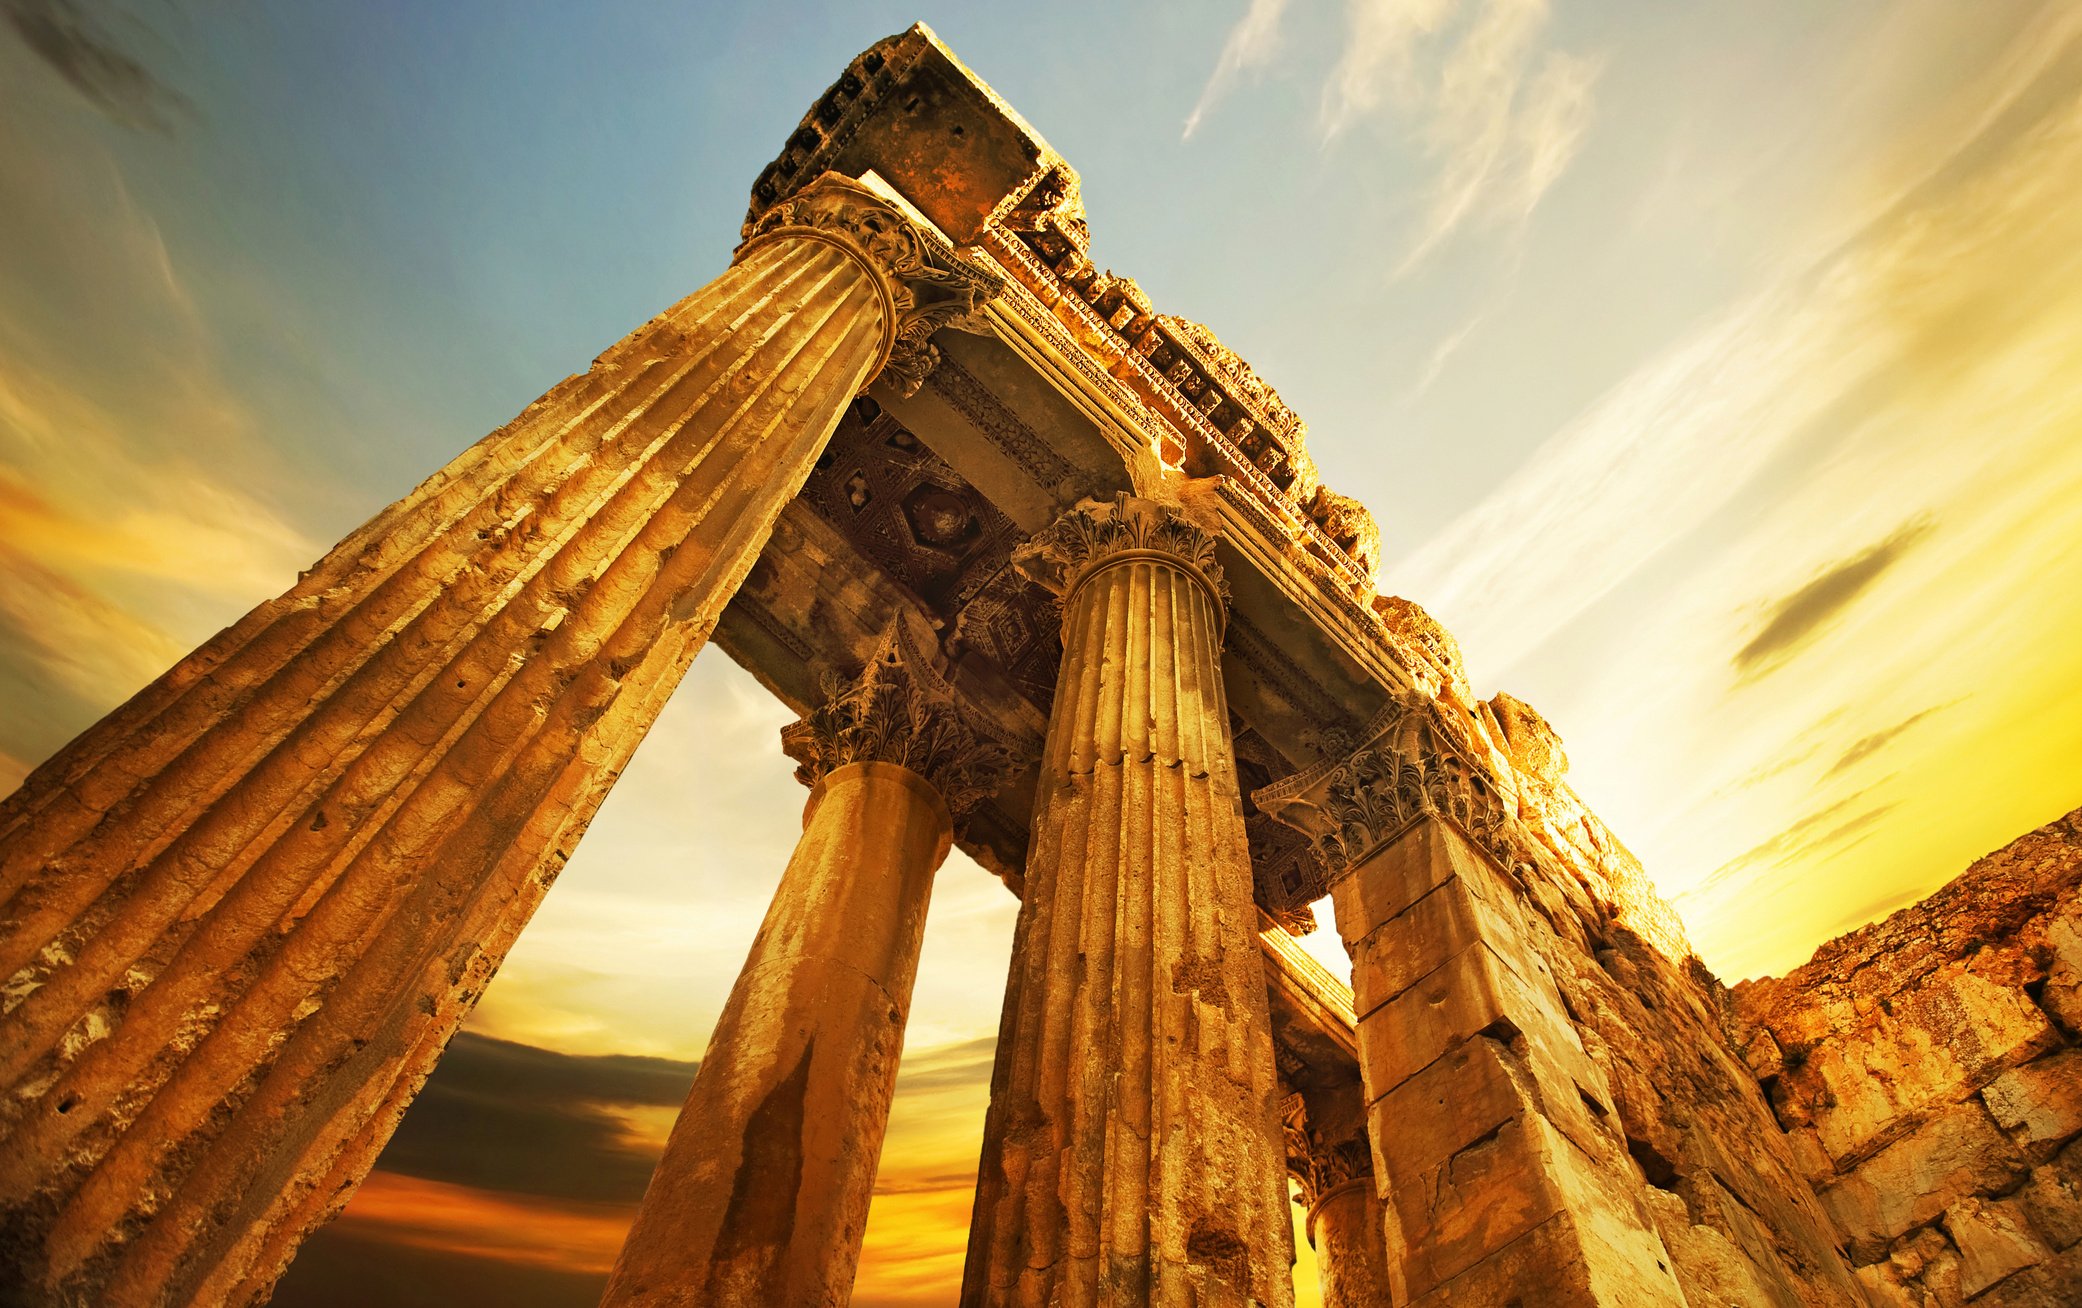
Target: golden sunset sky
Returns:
[[1715, 373]]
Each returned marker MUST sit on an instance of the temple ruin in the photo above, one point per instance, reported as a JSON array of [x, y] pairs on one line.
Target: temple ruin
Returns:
[[1049, 575]]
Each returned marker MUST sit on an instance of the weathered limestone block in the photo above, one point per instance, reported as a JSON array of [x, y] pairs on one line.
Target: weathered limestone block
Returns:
[[1993, 1239], [1918, 1066], [1942, 1040], [1711, 1268], [1133, 1151], [1483, 1101], [2040, 1103], [2062, 992], [1522, 1176], [1957, 1154], [1533, 745], [1921, 1272], [2051, 1284], [1468, 1093], [2053, 1198], [238, 908], [762, 1194], [1564, 1260], [1507, 1008]]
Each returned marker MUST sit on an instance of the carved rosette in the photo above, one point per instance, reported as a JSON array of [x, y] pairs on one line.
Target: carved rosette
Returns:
[[1408, 768], [925, 286], [1099, 532], [899, 710]]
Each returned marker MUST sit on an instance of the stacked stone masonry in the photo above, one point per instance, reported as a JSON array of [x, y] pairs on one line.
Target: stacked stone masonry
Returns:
[[1052, 577], [1926, 1070]]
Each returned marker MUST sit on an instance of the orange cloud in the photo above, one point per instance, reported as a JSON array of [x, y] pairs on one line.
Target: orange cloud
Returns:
[[557, 1235]]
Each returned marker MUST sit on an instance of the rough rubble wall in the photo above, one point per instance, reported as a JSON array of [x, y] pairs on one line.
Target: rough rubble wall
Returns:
[[1926, 1073], [1738, 1220]]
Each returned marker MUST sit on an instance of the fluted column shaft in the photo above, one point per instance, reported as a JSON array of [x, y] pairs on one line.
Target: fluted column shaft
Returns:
[[236, 907], [1347, 1226], [762, 1195], [1133, 1154]]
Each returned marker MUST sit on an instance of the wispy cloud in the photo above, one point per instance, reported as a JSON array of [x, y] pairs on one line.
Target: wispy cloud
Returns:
[[1250, 44], [1441, 355], [1873, 742], [73, 45], [1470, 84], [1737, 505], [1500, 122], [1817, 832], [1797, 616]]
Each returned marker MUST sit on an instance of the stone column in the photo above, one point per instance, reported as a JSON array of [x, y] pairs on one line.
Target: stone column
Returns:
[[1501, 1174], [1132, 1153], [1346, 1229], [245, 910], [1329, 1155], [762, 1195]]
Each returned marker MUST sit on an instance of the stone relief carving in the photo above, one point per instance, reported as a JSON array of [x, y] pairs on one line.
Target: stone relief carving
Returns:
[[974, 401], [1408, 768], [1320, 1165], [906, 510], [899, 710], [929, 286], [1087, 535], [830, 122]]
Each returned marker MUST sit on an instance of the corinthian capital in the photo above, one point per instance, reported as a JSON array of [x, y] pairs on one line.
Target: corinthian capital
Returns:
[[899, 710], [1408, 768], [1095, 532], [924, 284]]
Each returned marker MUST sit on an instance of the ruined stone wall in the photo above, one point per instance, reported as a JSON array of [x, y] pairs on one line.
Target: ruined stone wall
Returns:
[[1720, 1183], [1925, 1071]]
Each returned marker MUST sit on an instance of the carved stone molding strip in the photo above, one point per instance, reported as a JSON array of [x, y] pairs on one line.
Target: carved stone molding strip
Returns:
[[1001, 426], [899, 710], [832, 121], [1195, 381], [925, 285], [1263, 656], [760, 616]]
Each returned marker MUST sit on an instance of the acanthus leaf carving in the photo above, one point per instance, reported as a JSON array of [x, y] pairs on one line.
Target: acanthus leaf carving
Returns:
[[900, 710], [928, 286], [1090, 533], [1409, 767]]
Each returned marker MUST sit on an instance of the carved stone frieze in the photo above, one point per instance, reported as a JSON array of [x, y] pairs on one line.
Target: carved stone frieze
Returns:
[[1409, 767], [1003, 427], [1050, 217], [1090, 534], [927, 285], [899, 710]]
